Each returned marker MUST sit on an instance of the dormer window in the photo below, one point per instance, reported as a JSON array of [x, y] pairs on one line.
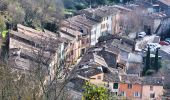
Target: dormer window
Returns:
[[151, 88]]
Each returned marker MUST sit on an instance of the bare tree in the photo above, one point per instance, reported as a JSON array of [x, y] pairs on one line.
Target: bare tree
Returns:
[[45, 78], [131, 22], [41, 11]]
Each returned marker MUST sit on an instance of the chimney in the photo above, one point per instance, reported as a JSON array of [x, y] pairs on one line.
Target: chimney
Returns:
[[93, 16], [121, 41], [104, 48], [90, 7]]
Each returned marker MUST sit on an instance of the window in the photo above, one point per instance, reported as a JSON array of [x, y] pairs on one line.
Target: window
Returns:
[[115, 86], [94, 31], [71, 52], [81, 30], [83, 51], [87, 40], [152, 95], [136, 94], [99, 77], [129, 86], [107, 25], [123, 93], [93, 40], [103, 26], [151, 88]]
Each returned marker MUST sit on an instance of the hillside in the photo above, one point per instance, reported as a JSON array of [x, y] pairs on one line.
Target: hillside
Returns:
[[33, 13], [40, 14]]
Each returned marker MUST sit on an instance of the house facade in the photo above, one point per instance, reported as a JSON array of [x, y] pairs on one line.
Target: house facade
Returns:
[[130, 87], [152, 88], [97, 79], [74, 43]]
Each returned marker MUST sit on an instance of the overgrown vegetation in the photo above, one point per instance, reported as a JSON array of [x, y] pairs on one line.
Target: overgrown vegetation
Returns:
[[32, 13], [93, 92]]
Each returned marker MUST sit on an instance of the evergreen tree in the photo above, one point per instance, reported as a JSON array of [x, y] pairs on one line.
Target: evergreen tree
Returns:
[[147, 61], [156, 63]]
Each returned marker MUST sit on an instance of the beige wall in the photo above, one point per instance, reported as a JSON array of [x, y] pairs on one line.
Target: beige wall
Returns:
[[116, 24], [96, 81], [77, 50], [158, 90], [104, 23], [75, 43]]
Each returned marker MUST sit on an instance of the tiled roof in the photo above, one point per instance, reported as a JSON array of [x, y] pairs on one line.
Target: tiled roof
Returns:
[[92, 57], [82, 19], [86, 58], [131, 79], [123, 8], [166, 2], [150, 16], [144, 4], [100, 12], [76, 84], [134, 68], [33, 56], [109, 57], [136, 58], [111, 76], [116, 43], [90, 71], [34, 33], [158, 81], [122, 46], [100, 60], [24, 36]]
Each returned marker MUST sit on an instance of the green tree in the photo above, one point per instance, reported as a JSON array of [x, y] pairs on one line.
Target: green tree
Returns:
[[93, 92], [156, 63], [2, 24], [147, 61]]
